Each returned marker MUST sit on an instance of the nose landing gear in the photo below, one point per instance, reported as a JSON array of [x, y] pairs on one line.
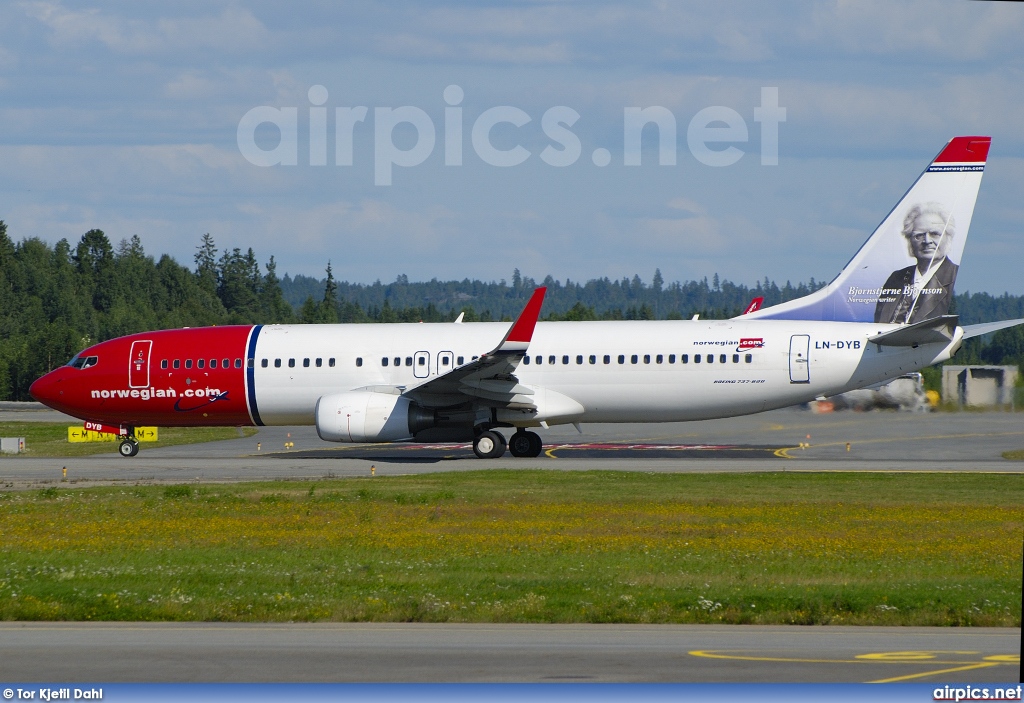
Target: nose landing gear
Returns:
[[129, 447]]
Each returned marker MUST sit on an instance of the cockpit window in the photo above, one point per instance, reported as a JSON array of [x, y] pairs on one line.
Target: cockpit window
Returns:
[[83, 362]]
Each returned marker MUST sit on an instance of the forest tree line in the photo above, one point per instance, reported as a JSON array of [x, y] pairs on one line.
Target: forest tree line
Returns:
[[56, 300]]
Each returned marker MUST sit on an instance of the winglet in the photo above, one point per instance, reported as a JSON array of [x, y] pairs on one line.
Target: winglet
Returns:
[[755, 305], [518, 337]]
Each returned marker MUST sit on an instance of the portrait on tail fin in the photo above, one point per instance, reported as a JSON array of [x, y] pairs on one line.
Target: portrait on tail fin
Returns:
[[916, 250], [925, 289]]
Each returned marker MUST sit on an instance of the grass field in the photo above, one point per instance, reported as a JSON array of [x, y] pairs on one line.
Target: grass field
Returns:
[[45, 439], [525, 546]]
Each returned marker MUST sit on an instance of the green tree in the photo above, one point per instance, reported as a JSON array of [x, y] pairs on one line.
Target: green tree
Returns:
[[273, 307], [329, 305]]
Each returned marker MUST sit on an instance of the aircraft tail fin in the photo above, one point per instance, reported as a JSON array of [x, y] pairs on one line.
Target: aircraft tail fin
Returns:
[[905, 271]]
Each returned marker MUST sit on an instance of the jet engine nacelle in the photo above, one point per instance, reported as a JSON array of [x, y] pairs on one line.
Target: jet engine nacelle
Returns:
[[369, 416]]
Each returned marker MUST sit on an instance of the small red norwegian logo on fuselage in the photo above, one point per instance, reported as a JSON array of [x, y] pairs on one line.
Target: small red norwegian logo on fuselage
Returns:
[[750, 343]]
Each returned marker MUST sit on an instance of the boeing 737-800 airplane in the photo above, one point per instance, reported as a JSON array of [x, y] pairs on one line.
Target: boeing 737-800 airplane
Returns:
[[884, 315]]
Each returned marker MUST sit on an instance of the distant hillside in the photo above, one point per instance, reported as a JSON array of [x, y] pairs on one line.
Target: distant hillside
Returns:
[[56, 300], [654, 299]]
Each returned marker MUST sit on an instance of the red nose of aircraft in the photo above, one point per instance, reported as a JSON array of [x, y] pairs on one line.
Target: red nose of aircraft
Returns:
[[47, 389]]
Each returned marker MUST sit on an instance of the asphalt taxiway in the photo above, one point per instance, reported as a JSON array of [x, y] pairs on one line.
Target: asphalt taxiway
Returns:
[[782, 440], [174, 652]]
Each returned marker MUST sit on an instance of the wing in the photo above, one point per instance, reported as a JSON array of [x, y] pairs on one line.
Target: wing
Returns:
[[492, 376]]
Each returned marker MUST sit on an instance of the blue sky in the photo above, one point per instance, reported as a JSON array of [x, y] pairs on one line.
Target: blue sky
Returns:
[[125, 116]]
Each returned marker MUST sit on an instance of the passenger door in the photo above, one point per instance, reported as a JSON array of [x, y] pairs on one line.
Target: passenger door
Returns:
[[799, 353], [445, 363], [138, 364], [421, 364]]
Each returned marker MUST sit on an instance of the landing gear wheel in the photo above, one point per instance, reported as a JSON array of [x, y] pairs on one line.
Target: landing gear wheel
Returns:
[[489, 445], [128, 447], [525, 444]]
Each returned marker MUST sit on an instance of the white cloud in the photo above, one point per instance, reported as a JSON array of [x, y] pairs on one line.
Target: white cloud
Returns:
[[233, 30], [127, 122]]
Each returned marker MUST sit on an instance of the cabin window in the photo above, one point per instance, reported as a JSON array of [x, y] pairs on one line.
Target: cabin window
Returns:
[[659, 358], [359, 361], [749, 358], [188, 363], [319, 362], [539, 359], [565, 359], [226, 363], [696, 358], [735, 358], [330, 362], [177, 363], [633, 359], [711, 358], [475, 358], [291, 363], [305, 363], [722, 358], [384, 361], [526, 360], [579, 358], [213, 363], [671, 358], [607, 359], [263, 363], [420, 360], [251, 363], [408, 361], [277, 363], [552, 360], [461, 360], [593, 359], [444, 360], [622, 358], [684, 358], [238, 363], [163, 364], [647, 358], [201, 364]]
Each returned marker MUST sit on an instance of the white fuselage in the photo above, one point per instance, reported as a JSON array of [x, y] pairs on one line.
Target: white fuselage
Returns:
[[618, 371]]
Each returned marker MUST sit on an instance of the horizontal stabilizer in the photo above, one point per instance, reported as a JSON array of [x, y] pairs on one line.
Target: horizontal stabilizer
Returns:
[[938, 330], [987, 327]]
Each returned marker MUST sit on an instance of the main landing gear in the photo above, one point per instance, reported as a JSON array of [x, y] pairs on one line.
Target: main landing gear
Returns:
[[491, 445], [129, 447], [525, 444]]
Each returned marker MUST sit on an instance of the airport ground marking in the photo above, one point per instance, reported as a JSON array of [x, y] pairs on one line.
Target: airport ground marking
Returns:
[[879, 658], [908, 677], [904, 657], [885, 440]]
